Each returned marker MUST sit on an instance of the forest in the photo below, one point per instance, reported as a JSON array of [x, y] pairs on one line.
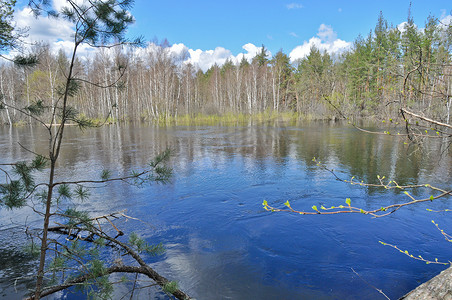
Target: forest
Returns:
[[391, 67], [81, 246]]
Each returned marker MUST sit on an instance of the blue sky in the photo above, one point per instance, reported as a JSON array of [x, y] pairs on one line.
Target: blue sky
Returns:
[[209, 32], [276, 24]]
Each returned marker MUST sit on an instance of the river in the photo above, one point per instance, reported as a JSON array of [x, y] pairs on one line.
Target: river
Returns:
[[220, 242]]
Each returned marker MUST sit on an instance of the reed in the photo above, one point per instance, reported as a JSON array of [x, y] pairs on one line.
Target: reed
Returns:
[[228, 119]]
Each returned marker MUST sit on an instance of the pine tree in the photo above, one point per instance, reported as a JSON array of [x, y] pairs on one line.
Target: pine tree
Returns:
[[98, 24], [7, 37]]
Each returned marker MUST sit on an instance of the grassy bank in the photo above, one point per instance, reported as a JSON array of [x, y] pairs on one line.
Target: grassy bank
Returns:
[[227, 119], [231, 119]]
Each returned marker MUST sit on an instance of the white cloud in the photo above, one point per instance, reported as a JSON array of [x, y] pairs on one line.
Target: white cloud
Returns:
[[294, 6], [401, 26], [58, 33], [43, 29], [446, 20], [251, 51], [326, 33], [326, 40], [204, 59], [59, 4], [179, 52], [83, 50], [303, 50]]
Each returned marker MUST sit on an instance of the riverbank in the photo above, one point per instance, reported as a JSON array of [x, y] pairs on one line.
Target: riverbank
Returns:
[[227, 119], [437, 288], [231, 118]]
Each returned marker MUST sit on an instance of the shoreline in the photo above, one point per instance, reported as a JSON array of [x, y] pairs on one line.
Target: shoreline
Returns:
[[439, 287]]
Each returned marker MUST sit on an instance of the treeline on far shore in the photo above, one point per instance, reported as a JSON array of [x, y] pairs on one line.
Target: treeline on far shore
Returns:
[[391, 67]]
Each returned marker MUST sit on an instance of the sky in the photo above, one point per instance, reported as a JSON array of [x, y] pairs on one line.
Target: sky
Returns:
[[212, 31]]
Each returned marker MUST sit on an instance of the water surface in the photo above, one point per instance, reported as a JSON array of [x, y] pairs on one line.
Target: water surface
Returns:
[[220, 242]]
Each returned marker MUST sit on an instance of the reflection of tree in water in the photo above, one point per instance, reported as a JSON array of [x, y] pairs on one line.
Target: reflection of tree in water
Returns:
[[361, 155], [266, 152], [365, 156]]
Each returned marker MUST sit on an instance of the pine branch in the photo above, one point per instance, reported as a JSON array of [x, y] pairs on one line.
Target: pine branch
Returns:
[[73, 230], [145, 270]]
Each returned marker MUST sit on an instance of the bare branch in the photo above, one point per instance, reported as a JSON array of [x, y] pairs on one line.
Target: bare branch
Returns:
[[425, 118]]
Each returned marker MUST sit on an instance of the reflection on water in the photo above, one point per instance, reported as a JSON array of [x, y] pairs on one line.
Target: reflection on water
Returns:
[[220, 243]]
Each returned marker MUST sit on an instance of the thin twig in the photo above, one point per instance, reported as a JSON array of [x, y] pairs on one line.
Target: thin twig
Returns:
[[378, 290]]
